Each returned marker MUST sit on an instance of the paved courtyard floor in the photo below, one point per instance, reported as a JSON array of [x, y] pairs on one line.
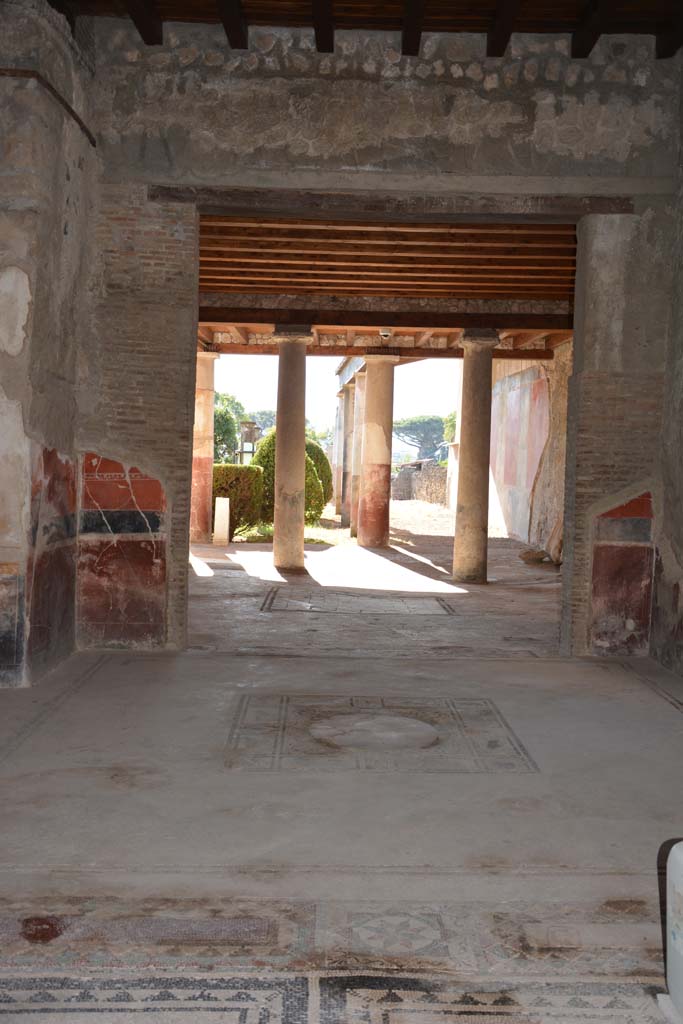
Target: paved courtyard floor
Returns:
[[281, 825]]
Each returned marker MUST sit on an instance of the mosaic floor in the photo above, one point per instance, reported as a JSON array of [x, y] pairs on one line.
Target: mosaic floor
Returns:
[[320, 999]]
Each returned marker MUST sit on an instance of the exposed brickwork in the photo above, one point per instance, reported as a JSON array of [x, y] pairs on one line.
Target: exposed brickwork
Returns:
[[137, 386], [613, 445]]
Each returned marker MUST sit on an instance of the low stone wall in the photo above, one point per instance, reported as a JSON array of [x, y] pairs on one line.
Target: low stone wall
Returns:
[[421, 483]]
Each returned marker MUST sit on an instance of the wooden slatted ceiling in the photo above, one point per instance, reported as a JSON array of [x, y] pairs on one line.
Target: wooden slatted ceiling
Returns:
[[585, 19], [259, 255]]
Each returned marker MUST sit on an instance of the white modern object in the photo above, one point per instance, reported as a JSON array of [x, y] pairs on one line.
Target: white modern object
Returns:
[[672, 1004], [221, 522]]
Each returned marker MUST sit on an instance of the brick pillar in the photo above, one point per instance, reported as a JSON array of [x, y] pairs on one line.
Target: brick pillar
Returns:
[[347, 451], [202, 451], [623, 282]]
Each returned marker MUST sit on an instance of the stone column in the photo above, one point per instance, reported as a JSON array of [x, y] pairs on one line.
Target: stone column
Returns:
[[338, 467], [472, 516], [290, 457], [347, 451], [202, 450], [375, 482], [357, 452]]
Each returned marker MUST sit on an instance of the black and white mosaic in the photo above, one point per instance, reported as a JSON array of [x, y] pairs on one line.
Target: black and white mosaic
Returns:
[[305, 732], [397, 1000], [182, 1000]]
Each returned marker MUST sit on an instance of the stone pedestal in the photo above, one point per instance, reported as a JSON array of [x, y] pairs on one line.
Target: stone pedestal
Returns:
[[470, 549], [347, 451], [290, 457], [202, 450], [357, 450], [375, 481]]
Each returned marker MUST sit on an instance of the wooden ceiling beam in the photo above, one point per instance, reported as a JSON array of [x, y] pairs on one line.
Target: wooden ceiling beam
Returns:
[[436, 250], [234, 23], [528, 338], [498, 36], [323, 26], [411, 31], [594, 22], [447, 263], [272, 349], [145, 17], [416, 320], [408, 227], [669, 41]]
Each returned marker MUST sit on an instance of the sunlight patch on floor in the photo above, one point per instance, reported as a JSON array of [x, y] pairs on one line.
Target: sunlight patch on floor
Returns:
[[349, 567]]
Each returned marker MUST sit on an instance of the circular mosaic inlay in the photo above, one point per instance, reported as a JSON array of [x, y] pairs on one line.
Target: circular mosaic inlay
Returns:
[[375, 731]]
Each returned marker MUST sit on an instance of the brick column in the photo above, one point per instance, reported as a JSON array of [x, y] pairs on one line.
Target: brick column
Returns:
[[375, 482], [470, 548], [357, 450], [202, 450], [616, 392], [347, 451]]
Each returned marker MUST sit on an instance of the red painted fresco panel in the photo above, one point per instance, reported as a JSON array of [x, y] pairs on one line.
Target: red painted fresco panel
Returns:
[[637, 508], [122, 590], [512, 437], [109, 486], [621, 596], [539, 424]]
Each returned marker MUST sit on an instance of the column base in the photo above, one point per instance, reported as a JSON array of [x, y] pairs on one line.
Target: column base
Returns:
[[292, 570], [471, 578]]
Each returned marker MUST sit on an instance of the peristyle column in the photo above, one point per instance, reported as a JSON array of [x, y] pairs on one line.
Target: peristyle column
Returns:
[[375, 478], [347, 451], [357, 451], [470, 549], [338, 466], [202, 450], [290, 457]]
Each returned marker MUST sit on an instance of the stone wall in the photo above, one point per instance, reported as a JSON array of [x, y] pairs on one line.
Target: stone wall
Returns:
[[46, 187], [421, 483]]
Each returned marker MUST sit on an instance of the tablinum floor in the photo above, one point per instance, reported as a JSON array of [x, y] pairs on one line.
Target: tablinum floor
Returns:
[[196, 836]]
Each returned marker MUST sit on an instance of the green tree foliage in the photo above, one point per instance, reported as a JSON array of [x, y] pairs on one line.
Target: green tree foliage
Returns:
[[265, 458], [322, 468], [424, 432], [264, 417], [449, 427], [243, 485], [228, 412]]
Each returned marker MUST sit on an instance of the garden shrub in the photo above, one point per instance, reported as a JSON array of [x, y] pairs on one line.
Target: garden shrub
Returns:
[[322, 468], [265, 458], [243, 485]]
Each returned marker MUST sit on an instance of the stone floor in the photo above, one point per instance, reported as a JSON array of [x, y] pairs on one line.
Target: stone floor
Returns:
[[256, 831]]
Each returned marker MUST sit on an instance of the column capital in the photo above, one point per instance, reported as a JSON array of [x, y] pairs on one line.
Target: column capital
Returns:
[[207, 355], [479, 338], [381, 359]]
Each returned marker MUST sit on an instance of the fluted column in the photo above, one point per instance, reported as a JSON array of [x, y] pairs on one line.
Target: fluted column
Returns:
[[290, 457], [470, 549], [375, 482]]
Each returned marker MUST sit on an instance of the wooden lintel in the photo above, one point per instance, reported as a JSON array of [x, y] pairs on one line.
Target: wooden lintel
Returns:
[[498, 36], [234, 23], [341, 351], [420, 320], [411, 34], [323, 26], [145, 17], [528, 338], [593, 23], [241, 334]]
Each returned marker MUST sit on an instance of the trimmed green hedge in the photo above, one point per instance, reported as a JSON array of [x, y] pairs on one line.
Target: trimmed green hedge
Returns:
[[322, 468], [244, 486], [265, 458]]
